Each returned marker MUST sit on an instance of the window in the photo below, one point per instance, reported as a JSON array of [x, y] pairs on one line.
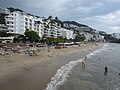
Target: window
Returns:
[[8, 22], [11, 30], [26, 27], [30, 24], [30, 28], [12, 18], [26, 23], [26, 19], [30, 20], [37, 26]]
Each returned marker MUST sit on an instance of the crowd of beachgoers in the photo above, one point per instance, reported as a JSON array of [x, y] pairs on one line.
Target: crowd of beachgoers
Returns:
[[30, 49]]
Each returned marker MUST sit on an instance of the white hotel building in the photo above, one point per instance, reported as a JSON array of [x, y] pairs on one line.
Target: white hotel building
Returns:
[[18, 22], [67, 33], [116, 35]]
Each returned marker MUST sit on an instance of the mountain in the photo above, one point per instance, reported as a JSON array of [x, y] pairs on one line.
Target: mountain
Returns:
[[14, 9], [75, 26], [74, 23]]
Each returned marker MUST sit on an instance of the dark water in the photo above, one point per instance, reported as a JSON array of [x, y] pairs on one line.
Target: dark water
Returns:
[[92, 77]]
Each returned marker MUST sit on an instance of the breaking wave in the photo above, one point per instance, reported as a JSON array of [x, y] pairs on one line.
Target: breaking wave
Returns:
[[61, 75]]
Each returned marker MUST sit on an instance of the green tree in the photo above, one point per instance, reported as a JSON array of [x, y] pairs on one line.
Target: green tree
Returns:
[[3, 34], [52, 40], [2, 19], [70, 40], [31, 36], [15, 40], [79, 38]]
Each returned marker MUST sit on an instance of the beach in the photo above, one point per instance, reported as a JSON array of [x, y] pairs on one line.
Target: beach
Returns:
[[21, 72]]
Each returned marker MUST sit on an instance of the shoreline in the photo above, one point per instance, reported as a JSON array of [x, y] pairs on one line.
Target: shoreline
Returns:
[[36, 73]]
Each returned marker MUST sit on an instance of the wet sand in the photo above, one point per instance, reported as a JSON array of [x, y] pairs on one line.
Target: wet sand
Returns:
[[20, 72]]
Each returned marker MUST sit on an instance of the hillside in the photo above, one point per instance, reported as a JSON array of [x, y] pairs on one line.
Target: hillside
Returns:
[[75, 23]]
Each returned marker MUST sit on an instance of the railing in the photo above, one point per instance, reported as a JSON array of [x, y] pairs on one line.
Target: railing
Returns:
[[7, 38]]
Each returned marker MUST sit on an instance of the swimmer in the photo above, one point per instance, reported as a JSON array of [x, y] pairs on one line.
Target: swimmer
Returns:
[[106, 70], [85, 57], [83, 64]]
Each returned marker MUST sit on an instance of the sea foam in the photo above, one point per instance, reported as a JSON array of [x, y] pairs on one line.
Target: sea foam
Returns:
[[61, 75]]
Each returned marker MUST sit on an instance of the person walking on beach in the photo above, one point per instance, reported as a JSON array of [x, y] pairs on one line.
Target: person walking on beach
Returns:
[[106, 70]]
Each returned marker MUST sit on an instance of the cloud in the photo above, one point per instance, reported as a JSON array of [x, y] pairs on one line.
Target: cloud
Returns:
[[100, 14], [114, 1], [109, 22]]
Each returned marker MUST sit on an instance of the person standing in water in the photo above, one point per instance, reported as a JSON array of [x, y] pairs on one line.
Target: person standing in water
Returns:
[[99, 58], [106, 70], [85, 57], [83, 64]]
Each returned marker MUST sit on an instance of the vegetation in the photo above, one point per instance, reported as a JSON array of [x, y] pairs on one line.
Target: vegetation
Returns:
[[14, 9], [75, 23], [2, 19], [3, 34], [52, 40], [31, 36], [79, 37], [114, 40], [54, 20], [15, 40]]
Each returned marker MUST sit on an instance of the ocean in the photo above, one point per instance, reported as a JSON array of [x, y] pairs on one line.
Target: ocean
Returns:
[[75, 76]]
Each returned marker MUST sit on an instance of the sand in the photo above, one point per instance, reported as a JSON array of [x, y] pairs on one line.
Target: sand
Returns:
[[21, 72]]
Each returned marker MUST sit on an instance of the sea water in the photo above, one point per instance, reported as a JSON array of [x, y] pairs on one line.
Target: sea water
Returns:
[[73, 76]]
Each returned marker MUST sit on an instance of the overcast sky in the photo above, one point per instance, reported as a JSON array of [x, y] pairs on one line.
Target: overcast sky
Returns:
[[102, 15]]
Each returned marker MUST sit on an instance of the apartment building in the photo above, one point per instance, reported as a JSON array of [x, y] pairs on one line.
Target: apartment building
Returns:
[[51, 28], [3, 13], [87, 35], [19, 21], [67, 33], [116, 35]]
